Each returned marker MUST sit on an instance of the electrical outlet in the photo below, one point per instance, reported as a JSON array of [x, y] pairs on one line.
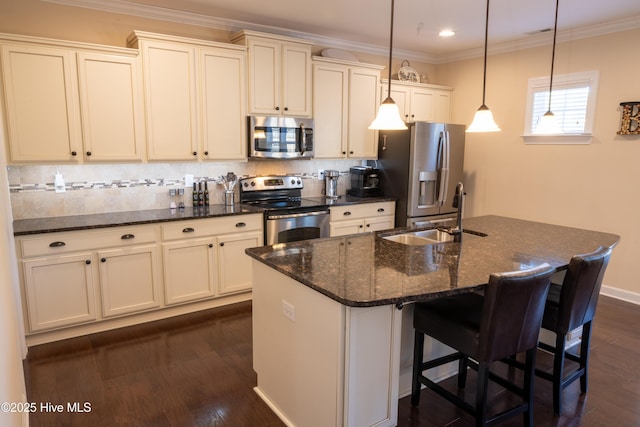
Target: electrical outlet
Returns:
[[288, 310], [188, 180], [320, 174]]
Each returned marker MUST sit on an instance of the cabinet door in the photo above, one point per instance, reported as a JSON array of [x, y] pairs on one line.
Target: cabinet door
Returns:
[[129, 280], [111, 107], [170, 101], [234, 264], [330, 104], [364, 99], [41, 95], [350, 226], [190, 270], [422, 105], [59, 291], [296, 80], [442, 106], [223, 106], [264, 76], [401, 97]]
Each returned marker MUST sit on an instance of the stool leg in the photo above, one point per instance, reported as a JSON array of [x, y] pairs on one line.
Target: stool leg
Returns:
[[558, 374], [418, 349], [529, 375], [584, 355], [462, 371], [481, 394]]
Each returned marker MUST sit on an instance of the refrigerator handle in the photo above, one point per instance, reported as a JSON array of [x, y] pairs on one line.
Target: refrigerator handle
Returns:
[[444, 168]]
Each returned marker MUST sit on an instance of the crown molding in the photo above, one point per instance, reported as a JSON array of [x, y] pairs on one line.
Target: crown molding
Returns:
[[172, 15]]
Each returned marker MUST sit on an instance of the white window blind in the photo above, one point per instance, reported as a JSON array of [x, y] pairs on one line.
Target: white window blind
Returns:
[[572, 102]]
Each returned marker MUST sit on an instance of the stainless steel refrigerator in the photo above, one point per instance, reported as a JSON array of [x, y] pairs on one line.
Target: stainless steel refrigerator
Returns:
[[421, 166]]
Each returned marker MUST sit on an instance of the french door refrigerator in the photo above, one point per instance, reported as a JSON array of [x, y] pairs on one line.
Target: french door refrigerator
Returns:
[[420, 167]]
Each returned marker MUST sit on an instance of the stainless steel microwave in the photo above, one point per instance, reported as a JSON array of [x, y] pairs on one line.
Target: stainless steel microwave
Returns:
[[274, 137]]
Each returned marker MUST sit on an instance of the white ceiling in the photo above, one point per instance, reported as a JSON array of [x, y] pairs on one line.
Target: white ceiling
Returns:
[[364, 24]]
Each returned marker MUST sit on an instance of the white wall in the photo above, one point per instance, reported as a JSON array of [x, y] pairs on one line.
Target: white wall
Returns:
[[588, 186]]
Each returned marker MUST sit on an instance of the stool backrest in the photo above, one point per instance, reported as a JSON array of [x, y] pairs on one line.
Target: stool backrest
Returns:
[[581, 288], [512, 312]]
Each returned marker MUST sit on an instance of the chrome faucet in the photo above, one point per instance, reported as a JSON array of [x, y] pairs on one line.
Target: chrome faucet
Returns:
[[458, 203]]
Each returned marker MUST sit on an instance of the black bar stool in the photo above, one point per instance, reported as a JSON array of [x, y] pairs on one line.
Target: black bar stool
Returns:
[[485, 328], [569, 306]]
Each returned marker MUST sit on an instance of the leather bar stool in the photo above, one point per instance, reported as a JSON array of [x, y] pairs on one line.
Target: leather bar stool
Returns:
[[569, 306], [482, 329]]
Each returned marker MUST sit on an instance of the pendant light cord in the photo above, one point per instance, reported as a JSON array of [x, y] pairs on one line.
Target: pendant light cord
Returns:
[[390, 48], [553, 52], [486, 40]]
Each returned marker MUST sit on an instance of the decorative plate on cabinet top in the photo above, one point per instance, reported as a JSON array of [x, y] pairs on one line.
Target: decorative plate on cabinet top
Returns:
[[406, 73], [338, 54]]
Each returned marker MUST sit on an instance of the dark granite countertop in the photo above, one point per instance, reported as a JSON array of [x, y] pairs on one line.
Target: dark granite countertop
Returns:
[[346, 199], [368, 270], [116, 219]]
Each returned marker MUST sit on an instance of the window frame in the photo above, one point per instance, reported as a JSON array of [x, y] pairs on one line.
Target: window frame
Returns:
[[562, 81]]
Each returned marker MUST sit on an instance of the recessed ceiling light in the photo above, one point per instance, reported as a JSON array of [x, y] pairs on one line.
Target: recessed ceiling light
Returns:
[[446, 33]]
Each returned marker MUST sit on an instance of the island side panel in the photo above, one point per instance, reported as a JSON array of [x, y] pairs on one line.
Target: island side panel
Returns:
[[299, 361]]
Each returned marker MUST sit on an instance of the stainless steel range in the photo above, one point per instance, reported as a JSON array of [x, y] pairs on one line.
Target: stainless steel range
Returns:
[[288, 217]]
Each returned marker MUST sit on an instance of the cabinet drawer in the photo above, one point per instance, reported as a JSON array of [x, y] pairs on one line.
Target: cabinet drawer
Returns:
[[211, 227], [362, 210], [74, 241]]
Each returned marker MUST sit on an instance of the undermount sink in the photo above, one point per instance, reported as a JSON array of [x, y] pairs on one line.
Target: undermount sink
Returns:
[[426, 237], [429, 237]]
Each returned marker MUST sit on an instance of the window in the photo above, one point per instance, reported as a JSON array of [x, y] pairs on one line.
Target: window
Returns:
[[572, 102]]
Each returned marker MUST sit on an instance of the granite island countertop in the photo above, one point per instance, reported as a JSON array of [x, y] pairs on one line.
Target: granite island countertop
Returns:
[[364, 270], [24, 227]]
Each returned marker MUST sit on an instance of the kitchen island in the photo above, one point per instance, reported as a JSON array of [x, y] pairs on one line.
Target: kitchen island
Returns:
[[331, 317]]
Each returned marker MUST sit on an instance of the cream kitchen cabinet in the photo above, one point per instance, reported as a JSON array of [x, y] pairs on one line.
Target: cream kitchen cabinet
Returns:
[[279, 74], [69, 103], [66, 275], [361, 218], [205, 258], [420, 102], [195, 98], [345, 102]]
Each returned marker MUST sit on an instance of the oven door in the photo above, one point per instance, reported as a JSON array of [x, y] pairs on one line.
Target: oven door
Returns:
[[291, 227]]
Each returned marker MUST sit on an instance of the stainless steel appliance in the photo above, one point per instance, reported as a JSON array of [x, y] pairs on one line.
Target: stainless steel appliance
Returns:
[[365, 182], [288, 217], [420, 166], [331, 183], [275, 137]]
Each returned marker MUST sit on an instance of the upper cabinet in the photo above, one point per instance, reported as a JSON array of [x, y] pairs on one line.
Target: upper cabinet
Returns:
[[194, 98], [279, 74], [420, 102], [69, 104], [345, 101]]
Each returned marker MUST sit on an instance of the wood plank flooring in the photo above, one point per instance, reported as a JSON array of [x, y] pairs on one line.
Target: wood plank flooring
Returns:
[[196, 370]]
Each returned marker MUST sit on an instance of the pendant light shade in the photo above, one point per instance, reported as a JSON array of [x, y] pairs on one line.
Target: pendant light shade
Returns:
[[483, 120], [548, 123], [388, 117]]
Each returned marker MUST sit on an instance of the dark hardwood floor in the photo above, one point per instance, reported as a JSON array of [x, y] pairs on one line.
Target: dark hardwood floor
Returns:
[[196, 370]]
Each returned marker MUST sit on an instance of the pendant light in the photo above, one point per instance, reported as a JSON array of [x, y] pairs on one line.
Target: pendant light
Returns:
[[548, 123], [483, 120], [388, 117]]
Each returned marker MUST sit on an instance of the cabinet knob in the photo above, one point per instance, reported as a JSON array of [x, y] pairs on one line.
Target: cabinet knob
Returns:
[[195, 153], [344, 152], [103, 260], [277, 108], [368, 225], [286, 108], [360, 226], [88, 262], [127, 236], [74, 153], [89, 153], [350, 152], [241, 224], [221, 243], [206, 153], [188, 230], [56, 244], [210, 245]]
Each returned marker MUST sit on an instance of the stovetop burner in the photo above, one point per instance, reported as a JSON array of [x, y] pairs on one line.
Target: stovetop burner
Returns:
[[276, 193]]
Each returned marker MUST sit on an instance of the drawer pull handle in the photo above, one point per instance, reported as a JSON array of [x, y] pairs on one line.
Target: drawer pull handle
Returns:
[[380, 209], [346, 213], [56, 244], [127, 236], [241, 224], [188, 230]]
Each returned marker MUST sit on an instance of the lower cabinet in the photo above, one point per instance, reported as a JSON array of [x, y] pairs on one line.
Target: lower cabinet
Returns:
[[75, 282], [361, 218]]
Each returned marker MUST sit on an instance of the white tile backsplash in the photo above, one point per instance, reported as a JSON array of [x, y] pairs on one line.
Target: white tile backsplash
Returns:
[[103, 188]]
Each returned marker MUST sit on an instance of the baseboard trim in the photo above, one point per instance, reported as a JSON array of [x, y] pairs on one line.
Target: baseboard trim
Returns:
[[621, 294]]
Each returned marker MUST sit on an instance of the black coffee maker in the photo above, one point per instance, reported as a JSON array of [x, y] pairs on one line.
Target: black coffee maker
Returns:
[[365, 182]]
